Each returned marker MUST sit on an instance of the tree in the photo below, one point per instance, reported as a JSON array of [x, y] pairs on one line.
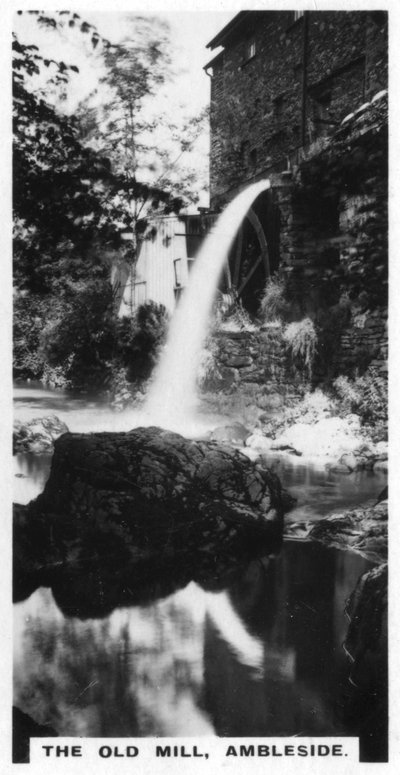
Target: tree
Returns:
[[72, 203], [146, 149]]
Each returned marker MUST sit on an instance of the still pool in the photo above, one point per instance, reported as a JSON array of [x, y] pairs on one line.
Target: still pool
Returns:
[[262, 656]]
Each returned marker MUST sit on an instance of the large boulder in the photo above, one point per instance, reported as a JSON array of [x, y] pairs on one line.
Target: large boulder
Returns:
[[367, 647], [148, 501], [38, 435]]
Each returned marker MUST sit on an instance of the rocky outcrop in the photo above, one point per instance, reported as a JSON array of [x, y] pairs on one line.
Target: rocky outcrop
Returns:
[[38, 435], [367, 646], [364, 703], [363, 530], [144, 500]]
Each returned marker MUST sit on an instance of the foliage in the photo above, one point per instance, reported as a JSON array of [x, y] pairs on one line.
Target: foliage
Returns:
[[80, 337], [139, 339], [142, 143], [60, 188], [330, 324], [73, 203], [55, 376], [119, 389], [366, 396], [301, 341], [235, 318], [29, 319], [273, 304]]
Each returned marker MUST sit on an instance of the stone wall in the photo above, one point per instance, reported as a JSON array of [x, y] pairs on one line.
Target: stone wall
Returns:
[[256, 363]]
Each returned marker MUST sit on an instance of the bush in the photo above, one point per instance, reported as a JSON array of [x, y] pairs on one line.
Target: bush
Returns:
[[301, 341], [366, 396], [273, 304], [29, 320], [119, 389], [55, 376], [140, 338], [81, 338]]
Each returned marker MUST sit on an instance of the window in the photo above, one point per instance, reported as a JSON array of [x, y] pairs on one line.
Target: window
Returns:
[[297, 15], [321, 106], [322, 111], [250, 50]]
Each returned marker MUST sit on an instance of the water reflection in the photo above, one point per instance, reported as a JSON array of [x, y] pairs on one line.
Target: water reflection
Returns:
[[261, 657], [319, 492]]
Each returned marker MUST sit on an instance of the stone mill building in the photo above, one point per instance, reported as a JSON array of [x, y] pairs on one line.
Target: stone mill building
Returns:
[[299, 98]]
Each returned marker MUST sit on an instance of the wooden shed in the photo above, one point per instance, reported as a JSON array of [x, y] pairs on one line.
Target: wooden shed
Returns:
[[162, 269]]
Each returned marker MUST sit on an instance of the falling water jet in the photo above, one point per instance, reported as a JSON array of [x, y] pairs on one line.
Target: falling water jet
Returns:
[[172, 398]]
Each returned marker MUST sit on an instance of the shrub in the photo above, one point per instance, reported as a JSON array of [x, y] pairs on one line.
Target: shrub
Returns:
[[139, 339], [301, 341], [119, 390], [347, 393], [273, 304], [81, 336], [365, 396], [230, 315], [55, 376], [29, 320], [374, 396]]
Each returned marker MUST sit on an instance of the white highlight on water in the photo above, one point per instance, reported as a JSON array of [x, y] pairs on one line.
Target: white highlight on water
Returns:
[[172, 397]]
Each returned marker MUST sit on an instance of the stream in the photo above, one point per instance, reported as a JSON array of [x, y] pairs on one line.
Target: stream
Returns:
[[262, 657]]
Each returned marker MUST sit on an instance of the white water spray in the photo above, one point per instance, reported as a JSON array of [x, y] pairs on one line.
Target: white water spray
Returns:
[[172, 397]]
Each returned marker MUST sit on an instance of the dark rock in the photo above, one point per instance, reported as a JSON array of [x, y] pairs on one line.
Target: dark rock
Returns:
[[145, 502], [367, 646], [37, 435], [151, 475], [383, 495], [364, 530], [23, 728]]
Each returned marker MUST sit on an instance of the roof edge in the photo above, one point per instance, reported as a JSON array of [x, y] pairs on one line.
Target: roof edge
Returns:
[[220, 37]]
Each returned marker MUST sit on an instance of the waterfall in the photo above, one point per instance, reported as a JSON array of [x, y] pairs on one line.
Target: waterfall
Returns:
[[172, 396]]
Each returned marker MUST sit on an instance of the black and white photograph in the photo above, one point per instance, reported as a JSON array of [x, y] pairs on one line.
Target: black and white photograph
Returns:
[[200, 387]]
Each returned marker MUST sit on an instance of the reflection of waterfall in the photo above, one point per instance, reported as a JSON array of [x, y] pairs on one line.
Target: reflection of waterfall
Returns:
[[248, 649], [262, 657], [174, 389]]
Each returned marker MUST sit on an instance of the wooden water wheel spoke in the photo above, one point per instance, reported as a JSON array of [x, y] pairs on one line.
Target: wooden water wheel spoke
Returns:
[[250, 274], [256, 224]]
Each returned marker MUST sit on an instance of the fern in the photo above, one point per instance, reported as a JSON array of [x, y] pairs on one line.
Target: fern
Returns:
[[301, 341]]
